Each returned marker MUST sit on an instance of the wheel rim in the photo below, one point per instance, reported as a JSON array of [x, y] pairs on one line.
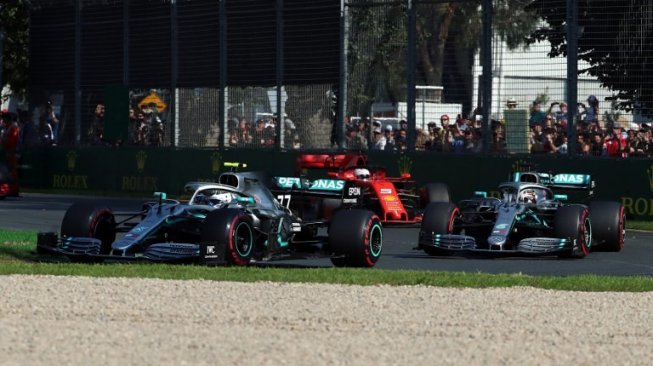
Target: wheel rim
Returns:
[[376, 240], [243, 239], [622, 227], [586, 235]]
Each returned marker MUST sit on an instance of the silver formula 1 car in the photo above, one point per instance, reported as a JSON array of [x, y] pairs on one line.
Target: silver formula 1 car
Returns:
[[528, 219], [234, 221]]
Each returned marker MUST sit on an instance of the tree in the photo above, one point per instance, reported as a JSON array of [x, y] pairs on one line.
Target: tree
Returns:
[[14, 22], [615, 39], [444, 31]]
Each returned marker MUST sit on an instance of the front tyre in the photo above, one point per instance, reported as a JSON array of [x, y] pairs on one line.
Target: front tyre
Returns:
[[573, 223], [227, 236], [87, 219], [356, 238], [439, 218], [609, 224]]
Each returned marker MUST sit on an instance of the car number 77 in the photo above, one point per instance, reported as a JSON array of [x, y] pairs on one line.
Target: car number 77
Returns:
[[284, 200]]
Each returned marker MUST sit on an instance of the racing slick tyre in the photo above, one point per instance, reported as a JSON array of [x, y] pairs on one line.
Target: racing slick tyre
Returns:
[[86, 219], [227, 236], [434, 192], [356, 238], [439, 218], [609, 226], [573, 223]]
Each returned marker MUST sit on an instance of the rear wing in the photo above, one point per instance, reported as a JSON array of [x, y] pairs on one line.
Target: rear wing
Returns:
[[566, 181], [330, 161]]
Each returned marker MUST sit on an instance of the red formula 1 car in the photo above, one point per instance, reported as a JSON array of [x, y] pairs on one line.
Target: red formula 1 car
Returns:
[[394, 199]]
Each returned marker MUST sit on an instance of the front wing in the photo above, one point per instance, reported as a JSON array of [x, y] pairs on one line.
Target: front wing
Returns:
[[534, 246], [86, 249]]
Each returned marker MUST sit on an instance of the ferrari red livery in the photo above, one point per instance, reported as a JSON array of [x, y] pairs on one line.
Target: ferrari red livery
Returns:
[[394, 199]]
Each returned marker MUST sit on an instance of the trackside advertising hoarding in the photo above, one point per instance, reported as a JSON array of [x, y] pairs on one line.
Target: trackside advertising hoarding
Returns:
[[133, 170]]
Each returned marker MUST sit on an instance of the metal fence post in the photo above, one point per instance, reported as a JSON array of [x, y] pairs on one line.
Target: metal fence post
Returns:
[[77, 72], [279, 77], [222, 79], [174, 72], [410, 71], [342, 76], [2, 39], [572, 74], [487, 75]]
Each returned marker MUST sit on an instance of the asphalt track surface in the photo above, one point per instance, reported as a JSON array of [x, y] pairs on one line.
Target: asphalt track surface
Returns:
[[44, 212]]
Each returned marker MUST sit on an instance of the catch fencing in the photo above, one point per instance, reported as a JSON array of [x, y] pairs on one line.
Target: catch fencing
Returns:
[[484, 76]]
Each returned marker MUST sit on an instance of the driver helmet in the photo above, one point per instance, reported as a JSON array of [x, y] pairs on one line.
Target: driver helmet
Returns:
[[528, 196], [219, 199], [362, 173]]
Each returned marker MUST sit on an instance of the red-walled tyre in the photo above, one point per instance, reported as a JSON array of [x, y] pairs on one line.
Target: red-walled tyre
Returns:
[[356, 238], [229, 235], [439, 218], [573, 223], [86, 219]]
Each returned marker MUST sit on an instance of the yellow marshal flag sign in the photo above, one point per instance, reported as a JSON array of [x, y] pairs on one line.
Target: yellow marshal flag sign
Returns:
[[153, 98]]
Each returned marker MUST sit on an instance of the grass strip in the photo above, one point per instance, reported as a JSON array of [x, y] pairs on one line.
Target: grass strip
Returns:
[[19, 257]]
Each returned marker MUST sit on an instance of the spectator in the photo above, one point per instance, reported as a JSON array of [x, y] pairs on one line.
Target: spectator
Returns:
[[401, 140], [458, 141], [389, 139], [379, 139], [611, 145], [269, 136], [549, 121], [596, 146], [561, 115], [46, 134], [137, 127], [646, 144], [592, 112], [355, 140], [537, 115], [548, 141], [499, 142], [53, 121], [243, 133], [444, 121], [511, 103], [433, 141], [96, 132], [258, 138], [421, 138], [583, 144]]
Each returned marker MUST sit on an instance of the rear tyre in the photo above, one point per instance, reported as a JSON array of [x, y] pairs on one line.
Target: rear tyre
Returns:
[[227, 235], [439, 218], [609, 226], [85, 219], [573, 223], [356, 238], [434, 192]]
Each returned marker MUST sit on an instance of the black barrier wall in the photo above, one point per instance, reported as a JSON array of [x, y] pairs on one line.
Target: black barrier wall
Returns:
[[143, 171]]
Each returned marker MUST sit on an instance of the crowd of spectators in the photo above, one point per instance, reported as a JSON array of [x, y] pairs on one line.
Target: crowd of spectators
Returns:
[[461, 135], [595, 134], [548, 133], [263, 133]]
